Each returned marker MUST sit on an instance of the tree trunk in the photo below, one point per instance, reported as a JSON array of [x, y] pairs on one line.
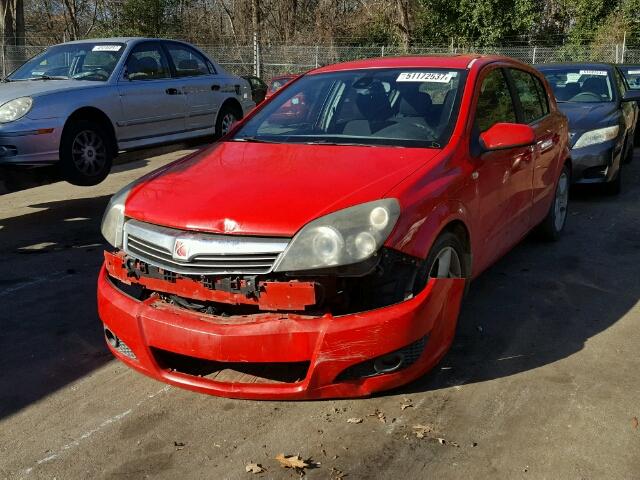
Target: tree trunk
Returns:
[[403, 23]]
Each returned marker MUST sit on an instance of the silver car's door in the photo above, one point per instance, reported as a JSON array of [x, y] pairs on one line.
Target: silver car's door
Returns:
[[202, 93], [153, 103]]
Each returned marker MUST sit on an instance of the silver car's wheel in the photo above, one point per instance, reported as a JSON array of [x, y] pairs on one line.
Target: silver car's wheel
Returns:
[[446, 264], [89, 152], [561, 201], [86, 152], [227, 122]]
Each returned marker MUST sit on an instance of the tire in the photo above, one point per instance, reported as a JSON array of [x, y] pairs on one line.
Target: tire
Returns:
[[431, 267], [228, 115], [86, 153], [551, 227], [614, 187]]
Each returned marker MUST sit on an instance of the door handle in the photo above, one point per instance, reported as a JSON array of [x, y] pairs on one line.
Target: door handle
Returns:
[[172, 91], [215, 87]]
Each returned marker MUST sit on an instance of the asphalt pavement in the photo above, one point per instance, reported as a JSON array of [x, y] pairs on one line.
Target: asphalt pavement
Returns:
[[542, 381]]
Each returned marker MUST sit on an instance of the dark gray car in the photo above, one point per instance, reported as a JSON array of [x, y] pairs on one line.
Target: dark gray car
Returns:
[[79, 103], [602, 119]]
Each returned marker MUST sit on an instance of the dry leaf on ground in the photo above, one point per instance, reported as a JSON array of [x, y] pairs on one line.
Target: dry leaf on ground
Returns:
[[634, 422], [292, 461], [354, 420], [422, 430], [254, 468]]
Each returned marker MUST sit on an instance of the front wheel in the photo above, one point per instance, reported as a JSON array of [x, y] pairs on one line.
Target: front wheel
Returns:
[[445, 260], [85, 153], [553, 224], [226, 118]]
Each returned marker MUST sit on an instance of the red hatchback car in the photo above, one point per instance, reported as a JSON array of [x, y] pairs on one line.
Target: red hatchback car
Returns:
[[326, 254]]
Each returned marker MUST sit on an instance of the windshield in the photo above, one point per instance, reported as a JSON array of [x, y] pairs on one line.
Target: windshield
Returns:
[[580, 84], [397, 107], [632, 75], [80, 61]]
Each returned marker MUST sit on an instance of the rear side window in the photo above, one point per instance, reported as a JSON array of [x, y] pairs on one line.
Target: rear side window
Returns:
[[529, 94], [495, 104], [188, 62]]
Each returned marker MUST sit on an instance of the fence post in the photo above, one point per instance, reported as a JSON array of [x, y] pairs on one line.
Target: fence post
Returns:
[[382, 51], [533, 60], [624, 44], [616, 53], [317, 53]]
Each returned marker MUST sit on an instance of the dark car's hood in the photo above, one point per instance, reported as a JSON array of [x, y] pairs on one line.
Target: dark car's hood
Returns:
[[589, 116], [269, 189], [29, 88]]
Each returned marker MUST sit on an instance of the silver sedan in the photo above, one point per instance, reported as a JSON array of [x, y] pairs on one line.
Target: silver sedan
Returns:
[[79, 103]]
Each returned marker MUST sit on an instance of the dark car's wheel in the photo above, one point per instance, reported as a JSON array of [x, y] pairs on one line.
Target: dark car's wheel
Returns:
[[229, 114], [86, 153], [553, 224]]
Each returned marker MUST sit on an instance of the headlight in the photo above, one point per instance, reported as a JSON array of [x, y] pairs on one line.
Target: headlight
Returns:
[[341, 238], [597, 136], [15, 109], [112, 227]]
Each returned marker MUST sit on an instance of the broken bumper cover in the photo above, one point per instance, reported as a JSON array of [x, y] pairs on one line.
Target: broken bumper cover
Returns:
[[328, 345]]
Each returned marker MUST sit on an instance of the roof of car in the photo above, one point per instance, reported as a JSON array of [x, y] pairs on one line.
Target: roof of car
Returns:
[[444, 61], [120, 40], [544, 66]]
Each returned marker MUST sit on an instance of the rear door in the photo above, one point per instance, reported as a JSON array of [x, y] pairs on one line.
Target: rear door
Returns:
[[152, 101], [198, 83], [538, 185], [503, 177]]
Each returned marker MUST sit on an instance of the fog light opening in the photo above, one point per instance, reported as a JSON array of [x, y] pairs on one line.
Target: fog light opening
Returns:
[[389, 363], [111, 338]]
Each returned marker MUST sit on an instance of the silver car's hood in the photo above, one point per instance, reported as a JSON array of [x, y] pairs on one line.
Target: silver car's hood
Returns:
[[24, 88]]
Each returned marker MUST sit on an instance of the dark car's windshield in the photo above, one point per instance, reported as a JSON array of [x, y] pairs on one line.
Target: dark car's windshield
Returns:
[[81, 61], [632, 75], [398, 107], [580, 84]]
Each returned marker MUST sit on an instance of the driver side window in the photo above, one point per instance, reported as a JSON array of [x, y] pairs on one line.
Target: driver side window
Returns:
[[147, 62], [495, 104]]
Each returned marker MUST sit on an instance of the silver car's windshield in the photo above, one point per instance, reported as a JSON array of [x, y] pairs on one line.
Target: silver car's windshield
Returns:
[[80, 61], [412, 107]]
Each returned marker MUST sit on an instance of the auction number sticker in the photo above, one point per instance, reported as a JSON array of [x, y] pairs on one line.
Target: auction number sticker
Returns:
[[633, 72], [601, 73], [435, 77], [106, 48]]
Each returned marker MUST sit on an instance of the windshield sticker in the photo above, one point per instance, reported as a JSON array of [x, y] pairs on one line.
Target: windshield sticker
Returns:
[[435, 77], [106, 48], [633, 72], [602, 73]]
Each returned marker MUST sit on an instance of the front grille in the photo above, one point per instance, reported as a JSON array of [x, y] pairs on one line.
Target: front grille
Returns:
[[204, 254]]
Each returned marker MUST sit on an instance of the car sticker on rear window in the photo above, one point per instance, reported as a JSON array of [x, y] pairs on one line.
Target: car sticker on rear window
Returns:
[[106, 48], [633, 72], [435, 77], [594, 72]]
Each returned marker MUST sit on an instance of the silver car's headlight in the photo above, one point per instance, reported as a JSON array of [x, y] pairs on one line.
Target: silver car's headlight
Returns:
[[341, 238], [113, 219], [15, 109], [600, 135]]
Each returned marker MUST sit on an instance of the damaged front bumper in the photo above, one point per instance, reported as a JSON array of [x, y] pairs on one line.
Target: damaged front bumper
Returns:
[[275, 345]]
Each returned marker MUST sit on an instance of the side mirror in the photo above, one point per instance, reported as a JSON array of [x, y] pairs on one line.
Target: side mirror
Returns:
[[503, 136], [631, 96]]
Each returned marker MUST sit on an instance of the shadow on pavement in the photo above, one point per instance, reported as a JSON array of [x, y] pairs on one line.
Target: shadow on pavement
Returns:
[[50, 332]]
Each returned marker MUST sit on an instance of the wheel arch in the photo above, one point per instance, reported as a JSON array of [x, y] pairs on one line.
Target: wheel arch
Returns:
[[96, 115]]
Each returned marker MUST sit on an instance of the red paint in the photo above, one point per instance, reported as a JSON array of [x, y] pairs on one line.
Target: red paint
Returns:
[[274, 190]]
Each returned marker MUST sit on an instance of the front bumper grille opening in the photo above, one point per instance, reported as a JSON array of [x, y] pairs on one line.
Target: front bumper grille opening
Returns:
[[388, 363], [118, 344], [596, 172], [232, 372]]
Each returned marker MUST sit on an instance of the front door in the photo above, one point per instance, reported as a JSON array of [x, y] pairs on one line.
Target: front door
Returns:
[[503, 177], [152, 101]]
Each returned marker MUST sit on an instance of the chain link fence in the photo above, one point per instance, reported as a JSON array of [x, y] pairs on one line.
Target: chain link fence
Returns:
[[279, 59]]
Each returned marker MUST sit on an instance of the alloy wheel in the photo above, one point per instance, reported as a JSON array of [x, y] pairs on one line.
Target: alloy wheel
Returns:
[[227, 122], [89, 152], [561, 201], [446, 264]]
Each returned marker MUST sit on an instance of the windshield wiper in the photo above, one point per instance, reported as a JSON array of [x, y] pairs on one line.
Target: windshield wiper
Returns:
[[47, 77], [252, 140]]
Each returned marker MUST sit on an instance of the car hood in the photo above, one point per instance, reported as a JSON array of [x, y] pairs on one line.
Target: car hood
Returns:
[[589, 116], [29, 88], [269, 189]]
